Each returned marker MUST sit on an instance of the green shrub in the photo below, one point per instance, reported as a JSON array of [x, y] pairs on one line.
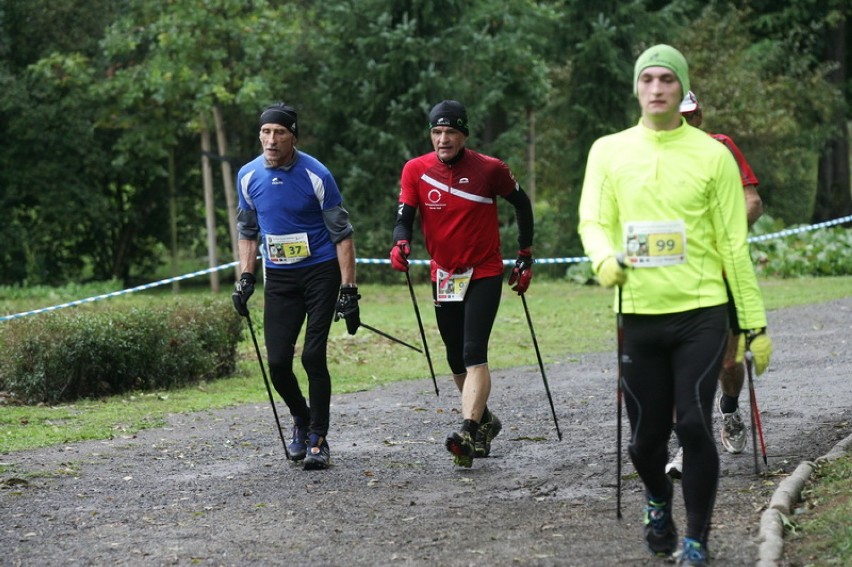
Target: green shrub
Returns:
[[63, 356], [822, 252]]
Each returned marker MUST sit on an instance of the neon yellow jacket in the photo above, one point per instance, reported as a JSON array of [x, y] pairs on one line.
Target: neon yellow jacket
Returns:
[[641, 175]]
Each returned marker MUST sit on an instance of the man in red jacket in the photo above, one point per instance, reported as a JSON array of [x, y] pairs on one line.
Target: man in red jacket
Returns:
[[733, 433], [456, 189]]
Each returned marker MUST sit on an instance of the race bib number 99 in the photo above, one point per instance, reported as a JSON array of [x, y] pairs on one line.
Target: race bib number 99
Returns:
[[288, 248], [655, 244]]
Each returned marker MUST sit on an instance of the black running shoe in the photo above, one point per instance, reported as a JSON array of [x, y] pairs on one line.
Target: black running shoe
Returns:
[[660, 531], [318, 453], [461, 446], [488, 430]]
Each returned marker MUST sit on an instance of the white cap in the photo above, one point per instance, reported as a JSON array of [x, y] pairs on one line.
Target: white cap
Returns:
[[689, 103]]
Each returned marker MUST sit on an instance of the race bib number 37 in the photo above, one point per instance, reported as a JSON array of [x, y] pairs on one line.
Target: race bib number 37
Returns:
[[655, 244], [287, 248]]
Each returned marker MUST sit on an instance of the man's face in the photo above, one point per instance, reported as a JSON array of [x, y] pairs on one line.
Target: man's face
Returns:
[[659, 94], [447, 141], [278, 143]]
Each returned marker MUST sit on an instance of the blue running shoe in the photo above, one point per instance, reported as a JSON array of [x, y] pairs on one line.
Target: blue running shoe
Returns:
[[660, 532], [297, 447], [693, 553]]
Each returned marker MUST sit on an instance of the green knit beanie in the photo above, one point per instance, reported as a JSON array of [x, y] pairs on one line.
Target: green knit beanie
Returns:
[[663, 56]]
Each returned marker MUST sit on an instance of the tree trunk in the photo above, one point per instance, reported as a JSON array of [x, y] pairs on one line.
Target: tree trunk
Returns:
[[173, 239], [209, 205], [228, 180], [834, 194], [530, 188]]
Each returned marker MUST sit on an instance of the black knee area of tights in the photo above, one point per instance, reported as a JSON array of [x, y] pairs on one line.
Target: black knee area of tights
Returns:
[[690, 432], [314, 361], [280, 357], [639, 450], [456, 365], [475, 354]]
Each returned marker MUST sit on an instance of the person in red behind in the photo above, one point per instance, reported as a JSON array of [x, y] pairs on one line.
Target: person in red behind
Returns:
[[732, 377], [456, 189]]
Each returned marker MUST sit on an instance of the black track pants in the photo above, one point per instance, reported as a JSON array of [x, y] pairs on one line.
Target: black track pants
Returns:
[[673, 360], [291, 296]]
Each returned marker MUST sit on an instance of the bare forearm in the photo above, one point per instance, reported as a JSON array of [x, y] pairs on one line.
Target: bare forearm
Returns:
[[346, 259], [754, 204], [248, 256]]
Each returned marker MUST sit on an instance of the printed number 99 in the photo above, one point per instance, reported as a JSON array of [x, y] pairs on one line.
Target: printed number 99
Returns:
[[665, 245]]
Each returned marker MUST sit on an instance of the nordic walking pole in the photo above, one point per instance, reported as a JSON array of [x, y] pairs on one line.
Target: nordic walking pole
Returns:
[[619, 323], [755, 413], [387, 336], [266, 381], [541, 366], [422, 332]]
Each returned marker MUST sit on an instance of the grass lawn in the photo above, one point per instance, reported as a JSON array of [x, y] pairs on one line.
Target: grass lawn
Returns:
[[568, 320]]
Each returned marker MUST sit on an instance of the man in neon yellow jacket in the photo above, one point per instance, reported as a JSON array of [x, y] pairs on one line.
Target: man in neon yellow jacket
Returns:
[[662, 216]]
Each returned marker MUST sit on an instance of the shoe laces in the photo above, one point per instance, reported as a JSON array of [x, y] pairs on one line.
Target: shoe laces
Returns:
[[482, 432], [732, 421], [693, 551], [656, 515]]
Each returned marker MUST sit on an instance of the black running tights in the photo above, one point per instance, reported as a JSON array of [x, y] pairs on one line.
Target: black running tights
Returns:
[[673, 360], [291, 296]]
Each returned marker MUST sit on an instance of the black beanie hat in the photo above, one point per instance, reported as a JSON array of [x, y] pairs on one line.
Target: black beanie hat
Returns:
[[283, 114], [449, 113]]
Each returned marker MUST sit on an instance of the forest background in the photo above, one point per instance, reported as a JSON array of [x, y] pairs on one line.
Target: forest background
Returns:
[[124, 121]]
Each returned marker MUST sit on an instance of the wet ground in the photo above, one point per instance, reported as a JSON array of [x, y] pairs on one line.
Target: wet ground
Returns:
[[214, 488]]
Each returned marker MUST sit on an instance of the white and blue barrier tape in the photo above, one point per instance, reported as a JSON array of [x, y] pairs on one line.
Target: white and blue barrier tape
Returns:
[[799, 230], [568, 260], [120, 292]]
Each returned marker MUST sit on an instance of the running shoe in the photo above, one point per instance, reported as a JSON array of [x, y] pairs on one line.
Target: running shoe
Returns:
[[733, 433], [297, 447], [488, 430], [693, 554], [318, 453], [461, 446], [660, 532], [675, 467]]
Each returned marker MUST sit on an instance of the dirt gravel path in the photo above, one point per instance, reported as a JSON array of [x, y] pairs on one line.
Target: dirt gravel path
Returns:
[[213, 488]]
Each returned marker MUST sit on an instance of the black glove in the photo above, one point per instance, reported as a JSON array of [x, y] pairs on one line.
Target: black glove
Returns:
[[347, 308], [242, 291]]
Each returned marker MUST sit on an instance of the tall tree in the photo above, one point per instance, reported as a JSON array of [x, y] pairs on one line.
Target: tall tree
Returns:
[[384, 64], [815, 30], [834, 192], [591, 66], [160, 58], [51, 159]]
